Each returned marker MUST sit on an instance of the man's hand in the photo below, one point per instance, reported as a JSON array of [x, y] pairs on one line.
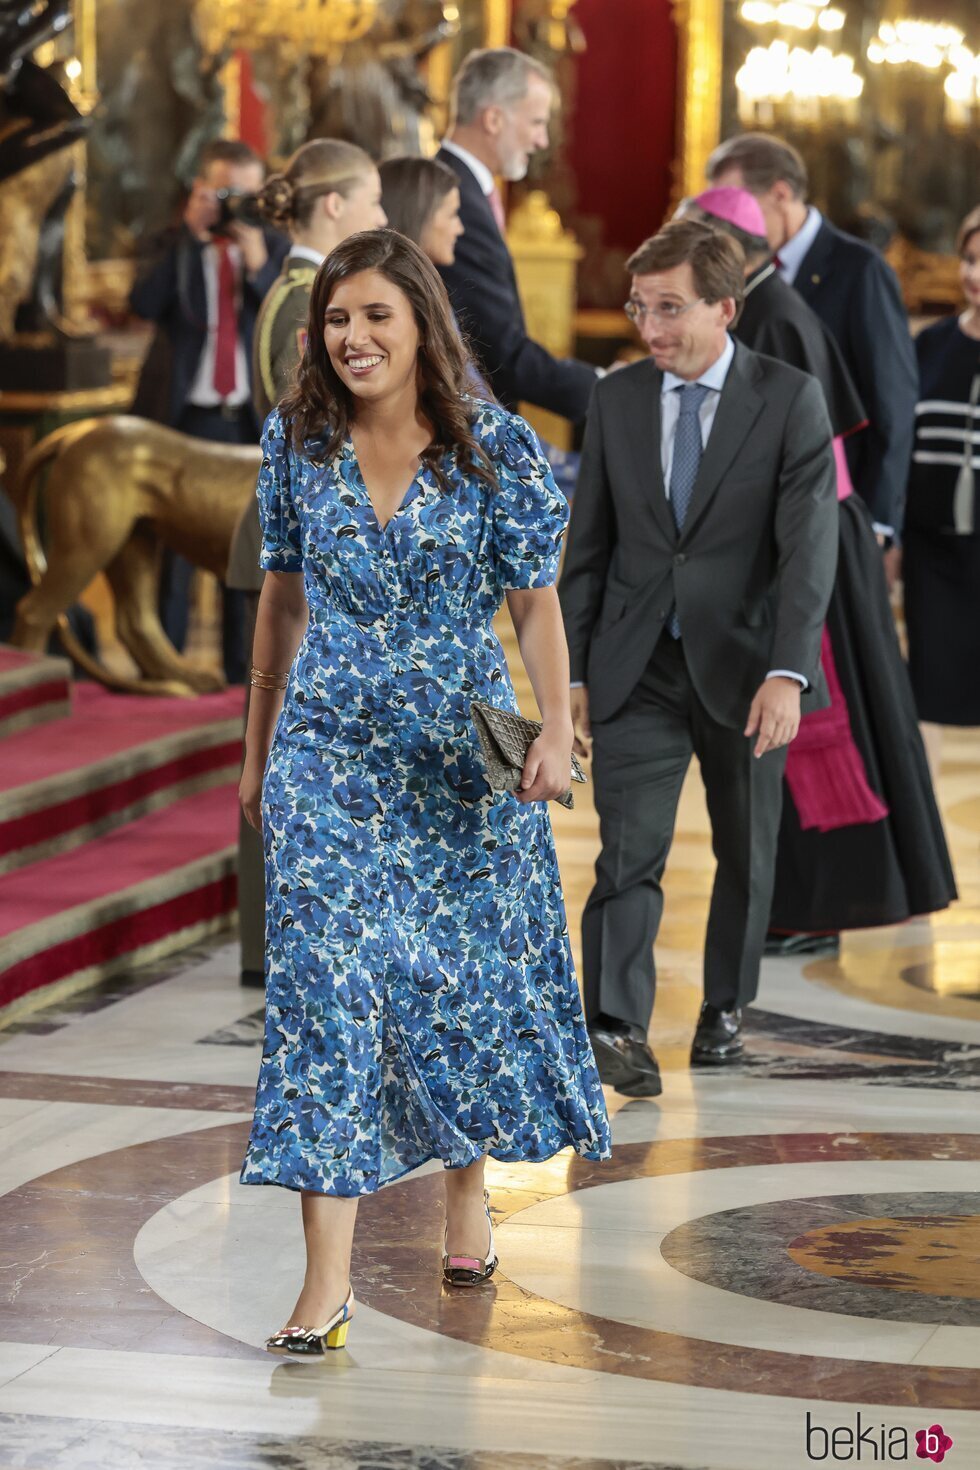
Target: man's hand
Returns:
[[775, 714], [251, 242], [893, 566], [201, 211], [580, 719]]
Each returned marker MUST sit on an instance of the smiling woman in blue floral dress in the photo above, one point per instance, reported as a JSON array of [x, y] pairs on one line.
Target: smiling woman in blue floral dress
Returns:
[[421, 1001]]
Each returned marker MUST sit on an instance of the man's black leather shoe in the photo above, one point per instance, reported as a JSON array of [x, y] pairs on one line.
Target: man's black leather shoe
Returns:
[[625, 1062], [718, 1038]]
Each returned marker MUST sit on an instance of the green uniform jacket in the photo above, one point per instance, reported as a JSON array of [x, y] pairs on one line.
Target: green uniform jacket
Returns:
[[277, 348]]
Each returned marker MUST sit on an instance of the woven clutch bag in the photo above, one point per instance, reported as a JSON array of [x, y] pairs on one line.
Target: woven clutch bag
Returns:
[[505, 739]]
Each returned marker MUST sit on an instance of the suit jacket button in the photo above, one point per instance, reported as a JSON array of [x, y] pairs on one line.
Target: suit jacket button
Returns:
[[680, 559]]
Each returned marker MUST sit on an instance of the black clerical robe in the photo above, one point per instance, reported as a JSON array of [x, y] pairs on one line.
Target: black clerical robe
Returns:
[[868, 872], [777, 321]]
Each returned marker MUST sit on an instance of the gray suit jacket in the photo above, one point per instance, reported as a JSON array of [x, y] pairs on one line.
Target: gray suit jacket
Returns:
[[752, 570]]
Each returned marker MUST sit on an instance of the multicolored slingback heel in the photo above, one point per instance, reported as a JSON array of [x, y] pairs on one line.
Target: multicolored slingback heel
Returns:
[[314, 1342], [470, 1270]]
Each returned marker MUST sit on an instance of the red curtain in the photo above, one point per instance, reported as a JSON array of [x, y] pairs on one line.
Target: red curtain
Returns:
[[252, 120], [621, 136]]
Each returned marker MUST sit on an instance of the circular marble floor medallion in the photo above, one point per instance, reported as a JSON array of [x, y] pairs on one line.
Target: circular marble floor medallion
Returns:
[[935, 1255], [894, 1257]]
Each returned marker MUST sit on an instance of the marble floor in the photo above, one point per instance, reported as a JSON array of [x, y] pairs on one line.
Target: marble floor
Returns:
[[780, 1265]]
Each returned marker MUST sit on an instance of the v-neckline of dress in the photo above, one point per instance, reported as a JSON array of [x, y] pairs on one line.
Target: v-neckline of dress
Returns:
[[409, 495]]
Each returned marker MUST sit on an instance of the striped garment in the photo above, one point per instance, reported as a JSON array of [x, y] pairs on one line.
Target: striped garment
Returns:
[[945, 469]]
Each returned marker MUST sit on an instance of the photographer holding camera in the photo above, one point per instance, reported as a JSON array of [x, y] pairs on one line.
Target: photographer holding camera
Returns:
[[202, 284]]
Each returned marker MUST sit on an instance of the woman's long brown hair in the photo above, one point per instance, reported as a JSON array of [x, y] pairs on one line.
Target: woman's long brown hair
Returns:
[[412, 189], [322, 408]]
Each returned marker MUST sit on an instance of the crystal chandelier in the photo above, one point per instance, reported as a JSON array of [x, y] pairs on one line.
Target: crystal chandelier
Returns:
[[933, 47], [314, 28], [793, 15], [793, 80], [799, 78]]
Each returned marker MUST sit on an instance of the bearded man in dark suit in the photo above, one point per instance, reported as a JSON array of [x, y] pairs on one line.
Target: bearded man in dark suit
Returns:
[[700, 561], [501, 104]]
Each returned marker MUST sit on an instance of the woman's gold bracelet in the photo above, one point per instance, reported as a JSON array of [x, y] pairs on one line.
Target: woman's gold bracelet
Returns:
[[260, 680]]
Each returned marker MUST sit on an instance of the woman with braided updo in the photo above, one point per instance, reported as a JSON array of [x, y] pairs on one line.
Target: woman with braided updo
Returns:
[[327, 191]]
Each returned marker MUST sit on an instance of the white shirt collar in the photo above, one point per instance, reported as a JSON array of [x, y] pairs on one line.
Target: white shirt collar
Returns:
[[306, 252], [479, 169], [795, 251], [712, 377]]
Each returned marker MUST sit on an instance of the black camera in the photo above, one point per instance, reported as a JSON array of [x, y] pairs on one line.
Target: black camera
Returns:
[[235, 207]]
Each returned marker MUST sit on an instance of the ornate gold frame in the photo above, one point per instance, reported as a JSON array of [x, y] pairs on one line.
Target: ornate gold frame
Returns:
[[83, 280], [496, 22], [699, 33]]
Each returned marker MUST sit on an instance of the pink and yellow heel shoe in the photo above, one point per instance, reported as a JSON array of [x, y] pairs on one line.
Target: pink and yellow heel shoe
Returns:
[[470, 1270], [314, 1342]]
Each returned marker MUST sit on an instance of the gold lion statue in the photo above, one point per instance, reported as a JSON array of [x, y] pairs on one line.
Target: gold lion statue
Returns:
[[117, 488]]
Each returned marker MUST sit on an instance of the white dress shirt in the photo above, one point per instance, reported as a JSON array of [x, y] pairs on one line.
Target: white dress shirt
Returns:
[[306, 252], [670, 411], [479, 169], [202, 393], [670, 406], [794, 252]]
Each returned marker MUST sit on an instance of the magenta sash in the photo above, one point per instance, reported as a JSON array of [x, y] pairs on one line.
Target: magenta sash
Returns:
[[824, 769]]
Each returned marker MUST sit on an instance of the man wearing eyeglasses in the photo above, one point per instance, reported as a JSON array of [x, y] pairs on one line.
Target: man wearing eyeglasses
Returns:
[[700, 560]]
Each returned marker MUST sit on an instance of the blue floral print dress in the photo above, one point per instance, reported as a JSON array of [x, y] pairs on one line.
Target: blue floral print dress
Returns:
[[421, 1000]]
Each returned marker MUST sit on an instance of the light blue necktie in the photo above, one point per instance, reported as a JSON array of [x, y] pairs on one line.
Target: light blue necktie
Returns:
[[685, 465]]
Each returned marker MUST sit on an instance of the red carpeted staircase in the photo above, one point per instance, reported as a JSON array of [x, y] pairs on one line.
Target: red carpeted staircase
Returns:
[[32, 690], [118, 825]]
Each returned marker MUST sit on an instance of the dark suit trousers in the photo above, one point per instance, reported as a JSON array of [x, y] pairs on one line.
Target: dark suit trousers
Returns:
[[176, 572], [640, 758]]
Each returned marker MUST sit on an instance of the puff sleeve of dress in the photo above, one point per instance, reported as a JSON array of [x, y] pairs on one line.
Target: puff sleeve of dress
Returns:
[[282, 547], [529, 511]]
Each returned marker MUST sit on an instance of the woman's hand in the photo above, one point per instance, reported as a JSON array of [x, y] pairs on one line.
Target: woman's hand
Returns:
[[250, 792], [548, 768]]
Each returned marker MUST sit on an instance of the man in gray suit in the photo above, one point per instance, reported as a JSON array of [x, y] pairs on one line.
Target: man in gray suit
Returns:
[[700, 560]]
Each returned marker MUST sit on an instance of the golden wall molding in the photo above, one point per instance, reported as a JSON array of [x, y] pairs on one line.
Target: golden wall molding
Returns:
[[535, 229], [546, 258], [930, 282], [496, 22], [699, 72], [230, 79], [85, 94], [439, 80]]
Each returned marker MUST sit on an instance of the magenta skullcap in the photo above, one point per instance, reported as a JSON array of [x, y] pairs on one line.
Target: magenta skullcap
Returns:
[[737, 206]]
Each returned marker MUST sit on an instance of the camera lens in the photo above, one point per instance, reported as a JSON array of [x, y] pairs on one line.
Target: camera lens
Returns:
[[234, 206]]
